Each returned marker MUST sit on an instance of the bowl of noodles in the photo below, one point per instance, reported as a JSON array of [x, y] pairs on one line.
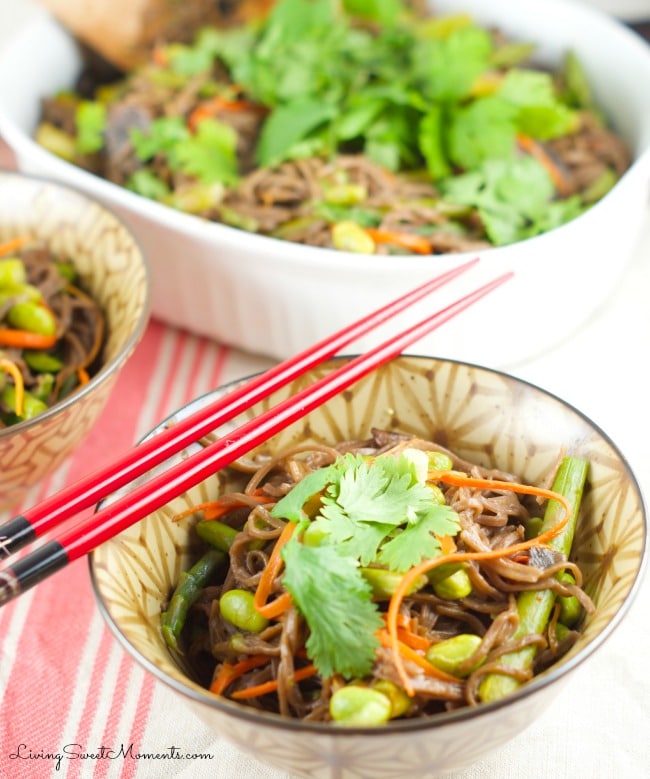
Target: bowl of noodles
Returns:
[[74, 302], [287, 172], [311, 613]]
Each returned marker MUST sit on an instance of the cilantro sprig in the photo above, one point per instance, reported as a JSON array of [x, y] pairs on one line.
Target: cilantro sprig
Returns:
[[377, 511]]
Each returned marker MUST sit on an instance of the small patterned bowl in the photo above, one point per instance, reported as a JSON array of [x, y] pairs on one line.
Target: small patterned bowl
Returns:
[[486, 416], [113, 269]]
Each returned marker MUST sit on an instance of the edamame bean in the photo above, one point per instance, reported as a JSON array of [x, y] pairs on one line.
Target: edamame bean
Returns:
[[350, 237], [384, 582], [42, 362], [238, 608], [32, 317], [19, 293], [357, 705], [439, 461], [451, 654], [399, 700], [450, 581], [12, 272], [32, 406]]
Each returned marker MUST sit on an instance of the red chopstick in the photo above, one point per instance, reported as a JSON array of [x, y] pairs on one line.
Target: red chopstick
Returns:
[[119, 514], [23, 529]]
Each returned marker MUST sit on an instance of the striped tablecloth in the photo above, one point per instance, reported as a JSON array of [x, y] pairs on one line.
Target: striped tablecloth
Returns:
[[73, 704]]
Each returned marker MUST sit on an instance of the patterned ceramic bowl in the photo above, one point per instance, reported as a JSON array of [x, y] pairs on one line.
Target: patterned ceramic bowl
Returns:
[[485, 416], [113, 269]]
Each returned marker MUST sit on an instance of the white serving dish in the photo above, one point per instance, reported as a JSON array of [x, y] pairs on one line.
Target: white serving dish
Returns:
[[274, 297]]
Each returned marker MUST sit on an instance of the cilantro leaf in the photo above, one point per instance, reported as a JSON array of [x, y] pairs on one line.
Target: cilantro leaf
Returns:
[[145, 182], [210, 154], [336, 601], [290, 506], [288, 125], [160, 137], [481, 130], [417, 541]]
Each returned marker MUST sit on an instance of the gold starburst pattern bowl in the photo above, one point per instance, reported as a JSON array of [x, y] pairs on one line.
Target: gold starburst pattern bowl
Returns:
[[485, 416], [112, 268]]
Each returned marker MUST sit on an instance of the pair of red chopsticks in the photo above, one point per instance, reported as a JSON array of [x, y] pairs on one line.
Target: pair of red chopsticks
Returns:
[[113, 517]]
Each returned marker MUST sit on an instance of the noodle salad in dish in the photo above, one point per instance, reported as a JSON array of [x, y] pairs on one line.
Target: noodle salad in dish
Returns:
[[51, 330], [378, 579], [365, 127]]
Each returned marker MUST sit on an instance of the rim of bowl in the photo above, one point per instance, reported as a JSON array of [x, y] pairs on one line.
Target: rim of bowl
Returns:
[[554, 674], [108, 368]]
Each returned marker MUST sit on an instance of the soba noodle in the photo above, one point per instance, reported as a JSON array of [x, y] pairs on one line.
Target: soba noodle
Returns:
[[275, 660]]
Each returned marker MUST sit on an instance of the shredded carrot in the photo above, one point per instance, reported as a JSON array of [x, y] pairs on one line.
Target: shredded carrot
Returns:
[[219, 509], [536, 150], [231, 671], [272, 686], [413, 640], [15, 243], [14, 371], [409, 578], [24, 339], [447, 544], [216, 104], [415, 243], [268, 576], [82, 376], [214, 509]]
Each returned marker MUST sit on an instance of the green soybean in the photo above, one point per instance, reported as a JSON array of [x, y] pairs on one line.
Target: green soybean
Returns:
[[19, 293], [384, 582], [400, 702], [439, 461], [12, 272], [452, 654], [357, 705], [238, 608], [32, 406], [32, 317], [42, 362], [450, 581], [350, 237]]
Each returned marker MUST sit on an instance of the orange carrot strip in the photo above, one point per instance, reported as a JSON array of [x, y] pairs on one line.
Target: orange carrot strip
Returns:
[[82, 376], [537, 151], [24, 339], [272, 686], [409, 578], [14, 243], [231, 671], [413, 640], [208, 108], [19, 384], [447, 544], [268, 576], [415, 243], [219, 509]]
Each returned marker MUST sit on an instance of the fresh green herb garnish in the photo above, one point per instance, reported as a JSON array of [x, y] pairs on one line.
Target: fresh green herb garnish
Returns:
[[371, 512]]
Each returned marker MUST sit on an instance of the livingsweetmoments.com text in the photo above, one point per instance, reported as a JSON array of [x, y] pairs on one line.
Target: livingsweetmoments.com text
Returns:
[[121, 752]]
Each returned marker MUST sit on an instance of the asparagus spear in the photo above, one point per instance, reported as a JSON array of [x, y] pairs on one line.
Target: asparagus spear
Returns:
[[534, 607]]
